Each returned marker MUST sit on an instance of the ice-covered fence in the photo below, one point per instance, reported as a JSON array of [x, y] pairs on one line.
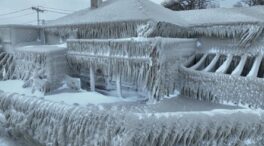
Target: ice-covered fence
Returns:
[[56, 124], [42, 67], [149, 64], [237, 79]]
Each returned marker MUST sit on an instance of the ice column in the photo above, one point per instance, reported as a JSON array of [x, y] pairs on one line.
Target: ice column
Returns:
[[92, 78], [118, 85]]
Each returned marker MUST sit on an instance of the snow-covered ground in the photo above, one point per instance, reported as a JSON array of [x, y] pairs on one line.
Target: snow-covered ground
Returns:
[[64, 94]]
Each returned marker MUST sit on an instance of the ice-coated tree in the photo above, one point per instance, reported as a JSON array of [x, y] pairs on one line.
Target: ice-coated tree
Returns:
[[178, 5]]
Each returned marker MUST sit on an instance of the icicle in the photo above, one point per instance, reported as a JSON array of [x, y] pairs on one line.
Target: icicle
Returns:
[[118, 85], [92, 78]]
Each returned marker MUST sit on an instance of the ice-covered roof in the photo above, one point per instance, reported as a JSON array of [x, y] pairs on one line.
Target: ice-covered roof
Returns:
[[223, 16], [121, 10]]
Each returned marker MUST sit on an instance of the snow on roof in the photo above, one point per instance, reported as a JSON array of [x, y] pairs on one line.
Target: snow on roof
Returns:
[[244, 23], [121, 10], [223, 16]]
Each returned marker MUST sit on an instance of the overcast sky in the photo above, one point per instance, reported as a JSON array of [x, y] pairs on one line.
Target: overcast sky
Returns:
[[29, 17]]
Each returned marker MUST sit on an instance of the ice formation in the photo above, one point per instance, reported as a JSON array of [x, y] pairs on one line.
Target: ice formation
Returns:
[[7, 65], [57, 124], [144, 63], [134, 47], [41, 67]]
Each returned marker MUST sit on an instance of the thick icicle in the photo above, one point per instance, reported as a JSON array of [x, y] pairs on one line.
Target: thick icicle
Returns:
[[118, 85], [92, 78]]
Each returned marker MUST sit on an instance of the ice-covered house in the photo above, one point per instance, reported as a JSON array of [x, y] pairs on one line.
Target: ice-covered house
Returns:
[[12, 36], [124, 44], [228, 64]]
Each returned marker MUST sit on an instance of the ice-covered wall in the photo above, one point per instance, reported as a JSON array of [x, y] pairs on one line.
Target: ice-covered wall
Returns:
[[17, 35], [149, 64], [5, 37], [55, 124], [42, 67], [25, 34]]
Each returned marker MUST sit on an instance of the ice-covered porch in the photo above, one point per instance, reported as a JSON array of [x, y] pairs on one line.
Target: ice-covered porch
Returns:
[[146, 65]]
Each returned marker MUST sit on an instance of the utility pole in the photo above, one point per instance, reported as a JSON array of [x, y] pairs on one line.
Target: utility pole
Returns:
[[38, 10]]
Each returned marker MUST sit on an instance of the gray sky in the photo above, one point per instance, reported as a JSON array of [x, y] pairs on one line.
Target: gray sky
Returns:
[[29, 17]]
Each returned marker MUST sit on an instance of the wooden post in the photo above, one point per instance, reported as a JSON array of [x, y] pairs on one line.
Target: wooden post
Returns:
[[92, 78]]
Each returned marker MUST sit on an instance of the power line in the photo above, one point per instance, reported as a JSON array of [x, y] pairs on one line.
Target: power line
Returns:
[[52, 11], [38, 10], [13, 17], [14, 12], [56, 9]]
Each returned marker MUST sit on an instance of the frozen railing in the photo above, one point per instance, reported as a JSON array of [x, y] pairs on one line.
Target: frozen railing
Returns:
[[238, 79]]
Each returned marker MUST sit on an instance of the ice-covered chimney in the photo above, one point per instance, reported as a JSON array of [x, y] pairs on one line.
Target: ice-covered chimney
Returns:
[[96, 3]]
